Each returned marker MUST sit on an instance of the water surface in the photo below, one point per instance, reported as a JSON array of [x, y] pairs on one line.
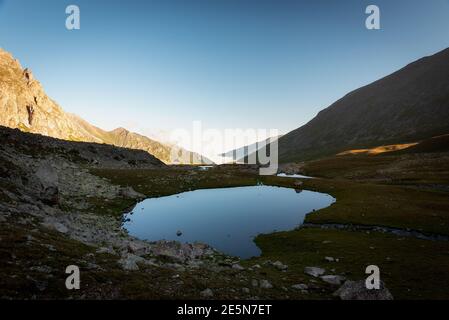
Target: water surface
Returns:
[[228, 219]]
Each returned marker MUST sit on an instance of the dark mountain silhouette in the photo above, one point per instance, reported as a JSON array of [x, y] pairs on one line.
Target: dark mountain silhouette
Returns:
[[409, 105]]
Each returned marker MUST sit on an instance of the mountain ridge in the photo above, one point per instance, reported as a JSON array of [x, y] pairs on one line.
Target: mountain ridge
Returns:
[[25, 105], [408, 105]]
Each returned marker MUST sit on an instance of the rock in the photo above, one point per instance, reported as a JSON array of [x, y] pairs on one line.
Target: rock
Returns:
[[42, 269], [138, 247], [182, 252], [60, 227], [254, 283], [174, 266], [47, 175], [300, 286], [329, 259], [237, 267], [314, 271], [106, 250], [298, 183], [50, 196], [279, 265], [30, 110], [256, 266], [356, 290], [265, 284], [245, 290], [129, 261], [333, 279], [48, 178], [28, 75], [208, 293], [129, 192]]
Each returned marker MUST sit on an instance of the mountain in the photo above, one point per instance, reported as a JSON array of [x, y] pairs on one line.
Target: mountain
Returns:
[[407, 106], [241, 153], [24, 105], [121, 137], [18, 145]]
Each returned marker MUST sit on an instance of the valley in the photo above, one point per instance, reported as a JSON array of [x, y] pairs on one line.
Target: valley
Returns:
[[84, 227], [67, 189]]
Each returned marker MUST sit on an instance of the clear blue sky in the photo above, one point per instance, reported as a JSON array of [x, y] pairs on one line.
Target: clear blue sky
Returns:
[[231, 64]]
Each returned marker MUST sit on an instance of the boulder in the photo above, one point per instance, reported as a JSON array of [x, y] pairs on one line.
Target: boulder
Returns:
[[265, 284], [129, 192], [356, 290], [129, 261], [183, 252], [237, 267], [300, 286], [107, 250], [280, 266], [60, 227], [333, 279], [207, 293], [55, 225], [48, 177], [314, 271], [138, 247]]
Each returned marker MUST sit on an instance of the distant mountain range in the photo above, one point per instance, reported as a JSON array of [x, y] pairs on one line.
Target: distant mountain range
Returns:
[[409, 105], [25, 105]]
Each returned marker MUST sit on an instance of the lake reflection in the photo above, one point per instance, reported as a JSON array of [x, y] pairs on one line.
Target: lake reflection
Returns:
[[227, 219]]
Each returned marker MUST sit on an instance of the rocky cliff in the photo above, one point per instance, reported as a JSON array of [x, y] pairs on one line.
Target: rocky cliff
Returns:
[[25, 105]]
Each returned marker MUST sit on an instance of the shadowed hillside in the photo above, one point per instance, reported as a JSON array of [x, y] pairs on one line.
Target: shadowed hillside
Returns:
[[406, 106]]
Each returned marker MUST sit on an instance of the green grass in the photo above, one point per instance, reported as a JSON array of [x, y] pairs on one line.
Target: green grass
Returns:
[[411, 268], [391, 168], [162, 182], [115, 207], [382, 205]]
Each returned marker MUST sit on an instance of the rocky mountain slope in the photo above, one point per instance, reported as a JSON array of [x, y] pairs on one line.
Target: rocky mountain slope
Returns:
[[62, 214], [407, 106], [25, 105], [56, 210]]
